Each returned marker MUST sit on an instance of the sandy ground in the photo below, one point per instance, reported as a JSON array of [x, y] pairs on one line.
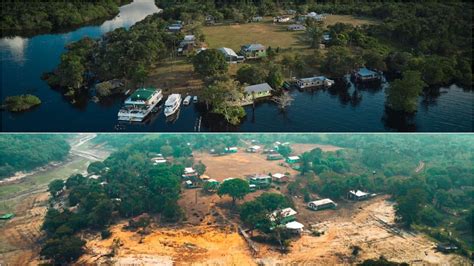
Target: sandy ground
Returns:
[[239, 164], [358, 224], [197, 245]]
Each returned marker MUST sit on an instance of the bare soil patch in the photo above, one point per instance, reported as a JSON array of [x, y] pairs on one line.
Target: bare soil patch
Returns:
[[240, 164], [302, 148]]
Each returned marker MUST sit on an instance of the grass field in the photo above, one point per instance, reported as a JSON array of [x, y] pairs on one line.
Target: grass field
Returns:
[[266, 33], [43, 178]]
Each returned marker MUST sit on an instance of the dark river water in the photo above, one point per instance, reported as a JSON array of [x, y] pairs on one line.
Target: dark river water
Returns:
[[23, 60]]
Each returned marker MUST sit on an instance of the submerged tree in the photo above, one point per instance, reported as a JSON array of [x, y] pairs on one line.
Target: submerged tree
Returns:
[[283, 101], [402, 95]]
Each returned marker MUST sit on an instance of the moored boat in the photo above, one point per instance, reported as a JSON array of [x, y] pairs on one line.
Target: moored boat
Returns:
[[172, 104], [140, 104], [187, 100]]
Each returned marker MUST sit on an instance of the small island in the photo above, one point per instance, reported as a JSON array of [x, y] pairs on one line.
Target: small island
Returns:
[[20, 103]]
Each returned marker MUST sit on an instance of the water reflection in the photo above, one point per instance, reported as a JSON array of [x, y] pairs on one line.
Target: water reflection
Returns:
[[16, 46], [398, 120], [129, 14]]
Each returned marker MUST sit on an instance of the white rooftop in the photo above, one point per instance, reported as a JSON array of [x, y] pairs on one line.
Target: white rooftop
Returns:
[[294, 157], [294, 225], [358, 193], [228, 51], [258, 88], [278, 175], [322, 202], [255, 147], [189, 38], [189, 170]]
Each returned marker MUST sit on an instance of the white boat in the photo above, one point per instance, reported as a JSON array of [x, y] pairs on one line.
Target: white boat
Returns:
[[187, 100], [140, 104], [195, 99], [172, 104]]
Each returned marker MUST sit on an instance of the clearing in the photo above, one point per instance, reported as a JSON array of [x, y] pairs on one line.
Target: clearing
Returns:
[[240, 164]]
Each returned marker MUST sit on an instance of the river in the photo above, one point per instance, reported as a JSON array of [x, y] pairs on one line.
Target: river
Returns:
[[23, 60]]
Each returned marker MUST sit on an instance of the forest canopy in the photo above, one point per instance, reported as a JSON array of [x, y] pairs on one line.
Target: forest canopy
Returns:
[[19, 16], [26, 152]]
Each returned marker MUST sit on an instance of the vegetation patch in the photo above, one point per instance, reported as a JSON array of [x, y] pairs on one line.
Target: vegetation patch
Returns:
[[20, 103]]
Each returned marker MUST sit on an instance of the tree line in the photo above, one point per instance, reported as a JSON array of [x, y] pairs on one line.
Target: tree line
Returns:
[[27, 152], [20, 16]]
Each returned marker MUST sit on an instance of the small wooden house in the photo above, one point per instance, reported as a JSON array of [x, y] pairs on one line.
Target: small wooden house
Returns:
[[260, 181], [364, 74], [293, 159], [285, 216], [253, 51], [274, 157], [321, 204], [358, 195], [231, 150], [254, 149], [230, 56], [257, 91], [280, 178]]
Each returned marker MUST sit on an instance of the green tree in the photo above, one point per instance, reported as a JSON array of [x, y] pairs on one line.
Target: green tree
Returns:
[[55, 186], [340, 61], [235, 188], [251, 74], [314, 33], [210, 62], [200, 168], [374, 60], [95, 167], [63, 250], [275, 77], [402, 95], [409, 206]]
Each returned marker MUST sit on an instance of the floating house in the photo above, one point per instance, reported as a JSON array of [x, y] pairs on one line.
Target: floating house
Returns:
[[260, 181], [286, 215], [364, 74], [280, 178], [293, 159], [321, 204], [230, 55], [318, 81], [256, 91], [296, 27], [253, 51], [254, 149], [274, 157], [358, 195]]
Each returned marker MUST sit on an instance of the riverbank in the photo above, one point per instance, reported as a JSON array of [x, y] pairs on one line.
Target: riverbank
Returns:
[[28, 19]]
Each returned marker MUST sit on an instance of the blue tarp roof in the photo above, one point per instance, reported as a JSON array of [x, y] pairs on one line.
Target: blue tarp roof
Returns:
[[365, 72]]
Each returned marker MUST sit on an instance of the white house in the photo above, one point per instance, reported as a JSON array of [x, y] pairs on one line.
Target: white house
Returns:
[[321, 204], [231, 56]]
